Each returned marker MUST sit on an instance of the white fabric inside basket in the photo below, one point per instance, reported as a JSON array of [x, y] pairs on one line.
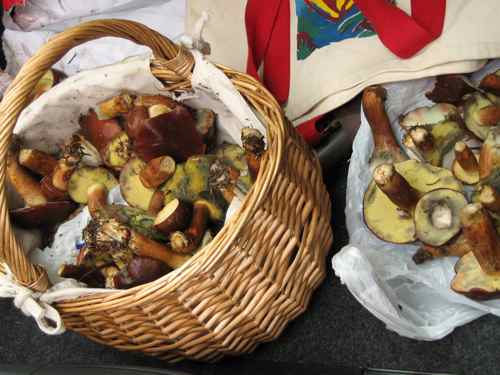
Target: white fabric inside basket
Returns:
[[53, 117]]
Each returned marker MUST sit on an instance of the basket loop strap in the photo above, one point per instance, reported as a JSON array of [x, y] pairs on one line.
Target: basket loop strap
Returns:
[[47, 317]]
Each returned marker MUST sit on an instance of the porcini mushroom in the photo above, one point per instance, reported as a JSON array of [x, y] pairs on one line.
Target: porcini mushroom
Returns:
[[457, 246], [186, 242], [465, 167], [489, 157], [38, 211], [491, 83], [481, 114], [157, 171], [36, 161], [175, 216], [437, 216], [428, 115], [391, 219]]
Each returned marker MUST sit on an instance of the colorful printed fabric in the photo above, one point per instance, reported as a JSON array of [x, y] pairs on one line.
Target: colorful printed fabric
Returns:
[[323, 22]]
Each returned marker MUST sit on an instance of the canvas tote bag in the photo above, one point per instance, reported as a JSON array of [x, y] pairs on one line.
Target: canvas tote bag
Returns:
[[315, 55]]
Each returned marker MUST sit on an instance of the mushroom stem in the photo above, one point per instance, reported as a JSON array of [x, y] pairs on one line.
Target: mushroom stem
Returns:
[[491, 83], [61, 175], [422, 138], [25, 185], [187, 241], [395, 187], [157, 202], [157, 171], [479, 230], [37, 161], [386, 148], [441, 216], [490, 198], [489, 157], [465, 157], [115, 106], [173, 217], [145, 247], [97, 199], [457, 247], [254, 146]]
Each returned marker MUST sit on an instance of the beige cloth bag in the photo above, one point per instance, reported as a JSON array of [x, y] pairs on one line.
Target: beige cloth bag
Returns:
[[332, 75]]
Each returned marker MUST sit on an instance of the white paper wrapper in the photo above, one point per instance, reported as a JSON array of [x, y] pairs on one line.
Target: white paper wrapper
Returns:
[[414, 301], [53, 117]]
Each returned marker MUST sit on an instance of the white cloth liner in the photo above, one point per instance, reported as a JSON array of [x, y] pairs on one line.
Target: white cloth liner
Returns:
[[413, 300], [53, 117]]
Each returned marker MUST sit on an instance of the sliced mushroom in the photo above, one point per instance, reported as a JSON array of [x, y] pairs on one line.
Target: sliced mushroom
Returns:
[[437, 216], [175, 216], [489, 198], [131, 186], [117, 152]]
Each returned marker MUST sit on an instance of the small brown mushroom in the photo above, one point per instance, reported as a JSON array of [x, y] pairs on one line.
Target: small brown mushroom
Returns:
[[62, 174], [157, 171], [189, 240], [50, 191], [36, 161], [205, 125], [139, 271], [175, 216], [24, 184], [479, 229], [386, 149]]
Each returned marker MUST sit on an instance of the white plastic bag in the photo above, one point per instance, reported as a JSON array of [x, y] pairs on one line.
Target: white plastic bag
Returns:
[[413, 300], [43, 18]]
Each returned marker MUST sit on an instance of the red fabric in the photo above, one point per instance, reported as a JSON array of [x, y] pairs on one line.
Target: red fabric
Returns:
[[405, 35], [268, 35], [8, 4]]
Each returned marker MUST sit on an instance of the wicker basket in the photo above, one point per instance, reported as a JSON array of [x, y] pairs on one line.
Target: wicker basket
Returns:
[[240, 290]]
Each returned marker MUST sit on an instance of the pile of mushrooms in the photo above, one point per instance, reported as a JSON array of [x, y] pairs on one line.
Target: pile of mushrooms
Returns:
[[163, 155], [446, 194]]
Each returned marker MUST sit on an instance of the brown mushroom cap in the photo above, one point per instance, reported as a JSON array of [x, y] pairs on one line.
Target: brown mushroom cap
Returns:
[[43, 215]]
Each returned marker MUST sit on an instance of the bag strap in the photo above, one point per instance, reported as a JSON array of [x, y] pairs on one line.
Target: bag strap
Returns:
[[268, 37], [8, 4], [401, 33]]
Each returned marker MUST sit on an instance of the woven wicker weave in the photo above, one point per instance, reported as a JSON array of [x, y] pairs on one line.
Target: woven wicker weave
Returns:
[[244, 287]]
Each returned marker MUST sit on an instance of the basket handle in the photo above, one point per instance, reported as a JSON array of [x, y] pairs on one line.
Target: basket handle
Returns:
[[178, 61]]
